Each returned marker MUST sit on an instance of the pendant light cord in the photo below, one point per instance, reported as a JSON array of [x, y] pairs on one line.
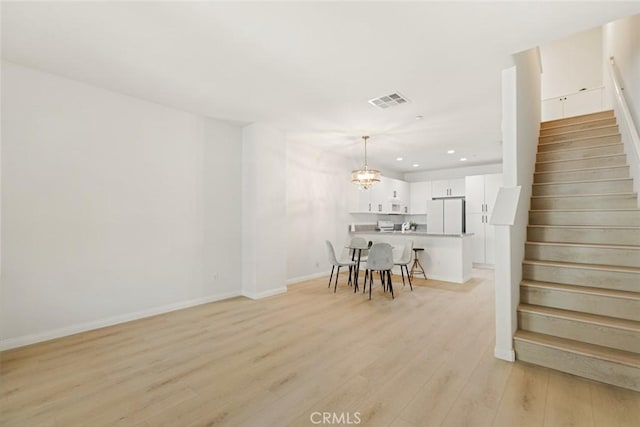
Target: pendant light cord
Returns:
[[365, 151]]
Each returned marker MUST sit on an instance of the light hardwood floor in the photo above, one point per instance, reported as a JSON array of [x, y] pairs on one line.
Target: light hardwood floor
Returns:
[[423, 359]]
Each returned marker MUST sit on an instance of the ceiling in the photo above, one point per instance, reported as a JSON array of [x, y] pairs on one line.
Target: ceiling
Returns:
[[309, 68]]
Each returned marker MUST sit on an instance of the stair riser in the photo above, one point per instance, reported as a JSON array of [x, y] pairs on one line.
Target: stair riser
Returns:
[[598, 334], [588, 367], [605, 150], [610, 218], [576, 188], [598, 162], [585, 202], [578, 119], [619, 236], [578, 126], [584, 133], [625, 257], [605, 279], [582, 175], [579, 143], [621, 308]]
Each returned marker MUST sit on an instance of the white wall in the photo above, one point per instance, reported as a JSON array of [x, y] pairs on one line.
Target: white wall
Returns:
[[318, 185], [453, 173], [264, 209], [112, 207], [621, 39], [571, 64], [521, 124], [222, 166]]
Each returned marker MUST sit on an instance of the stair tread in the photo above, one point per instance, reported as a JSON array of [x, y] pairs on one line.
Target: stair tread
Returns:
[[590, 350], [581, 148], [583, 181], [589, 245], [594, 319], [597, 169], [576, 139], [579, 130], [611, 293], [560, 196], [586, 210], [578, 123], [582, 158], [617, 268], [582, 115], [588, 227]]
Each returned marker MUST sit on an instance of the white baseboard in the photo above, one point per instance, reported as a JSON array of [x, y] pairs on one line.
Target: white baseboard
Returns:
[[307, 277], [507, 354], [264, 294], [110, 321]]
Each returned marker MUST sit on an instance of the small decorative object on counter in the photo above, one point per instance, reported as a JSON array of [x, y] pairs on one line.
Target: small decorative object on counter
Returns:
[[413, 226]]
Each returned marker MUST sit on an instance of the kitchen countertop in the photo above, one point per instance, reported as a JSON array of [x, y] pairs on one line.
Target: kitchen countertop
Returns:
[[410, 233]]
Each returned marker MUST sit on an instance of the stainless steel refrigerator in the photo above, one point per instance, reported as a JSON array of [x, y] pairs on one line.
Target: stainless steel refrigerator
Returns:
[[446, 216]]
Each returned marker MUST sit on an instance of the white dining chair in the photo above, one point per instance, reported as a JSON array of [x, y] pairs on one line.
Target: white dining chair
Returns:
[[404, 261], [380, 259], [337, 263]]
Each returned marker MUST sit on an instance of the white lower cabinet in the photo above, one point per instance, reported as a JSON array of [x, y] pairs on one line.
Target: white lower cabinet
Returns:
[[573, 104]]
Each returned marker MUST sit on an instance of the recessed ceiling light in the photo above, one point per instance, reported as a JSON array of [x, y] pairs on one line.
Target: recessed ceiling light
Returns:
[[415, 165], [419, 117], [399, 159], [451, 152], [463, 159]]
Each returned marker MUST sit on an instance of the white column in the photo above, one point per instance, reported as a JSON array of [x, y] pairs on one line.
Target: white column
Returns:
[[264, 239]]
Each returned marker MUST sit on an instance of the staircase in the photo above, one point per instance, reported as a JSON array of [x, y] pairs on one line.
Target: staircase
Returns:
[[579, 306]]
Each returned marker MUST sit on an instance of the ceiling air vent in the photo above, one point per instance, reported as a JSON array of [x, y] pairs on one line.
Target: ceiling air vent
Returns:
[[388, 101]]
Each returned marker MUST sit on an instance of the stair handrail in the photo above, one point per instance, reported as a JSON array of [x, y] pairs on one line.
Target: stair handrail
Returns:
[[624, 108]]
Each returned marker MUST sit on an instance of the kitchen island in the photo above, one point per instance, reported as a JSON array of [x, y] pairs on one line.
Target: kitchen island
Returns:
[[446, 257]]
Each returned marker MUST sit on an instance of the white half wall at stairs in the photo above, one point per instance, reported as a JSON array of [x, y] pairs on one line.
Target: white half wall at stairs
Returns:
[[521, 127]]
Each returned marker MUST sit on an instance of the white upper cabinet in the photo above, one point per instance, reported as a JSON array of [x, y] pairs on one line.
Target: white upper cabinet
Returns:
[[420, 193], [457, 187], [387, 196], [359, 201], [378, 192], [440, 188], [481, 192], [404, 195], [393, 195], [448, 188]]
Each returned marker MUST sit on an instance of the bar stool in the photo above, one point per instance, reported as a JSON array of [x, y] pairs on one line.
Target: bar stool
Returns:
[[416, 268]]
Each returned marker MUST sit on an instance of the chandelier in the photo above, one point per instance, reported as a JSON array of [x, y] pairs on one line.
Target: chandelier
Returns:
[[365, 178]]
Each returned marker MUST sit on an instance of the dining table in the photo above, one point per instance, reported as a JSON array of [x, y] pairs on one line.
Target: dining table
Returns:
[[357, 248]]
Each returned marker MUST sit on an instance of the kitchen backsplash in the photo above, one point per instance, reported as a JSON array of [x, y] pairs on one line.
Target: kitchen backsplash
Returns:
[[397, 226]]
